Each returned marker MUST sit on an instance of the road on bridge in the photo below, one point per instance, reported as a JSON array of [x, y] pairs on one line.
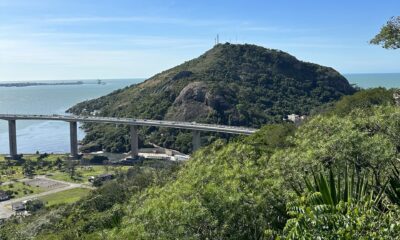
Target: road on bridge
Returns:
[[136, 122]]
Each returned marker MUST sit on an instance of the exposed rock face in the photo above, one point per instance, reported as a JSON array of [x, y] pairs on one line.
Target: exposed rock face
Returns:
[[195, 91], [196, 102], [191, 103]]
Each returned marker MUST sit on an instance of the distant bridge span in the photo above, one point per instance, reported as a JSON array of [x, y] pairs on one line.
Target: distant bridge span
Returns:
[[134, 123]]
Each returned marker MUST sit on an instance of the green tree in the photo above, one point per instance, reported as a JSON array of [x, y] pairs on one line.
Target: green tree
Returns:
[[364, 99], [28, 168], [389, 36], [71, 168], [58, 163], [34, 205]]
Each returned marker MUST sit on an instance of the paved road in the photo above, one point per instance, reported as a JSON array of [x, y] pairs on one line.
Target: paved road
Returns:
[[136, 122], [5, 206]]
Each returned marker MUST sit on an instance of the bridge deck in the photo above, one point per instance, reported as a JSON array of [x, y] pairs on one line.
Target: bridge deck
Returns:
[[136, 122]]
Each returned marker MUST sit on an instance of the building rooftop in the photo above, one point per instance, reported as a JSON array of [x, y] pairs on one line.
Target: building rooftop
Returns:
[[18, 206]]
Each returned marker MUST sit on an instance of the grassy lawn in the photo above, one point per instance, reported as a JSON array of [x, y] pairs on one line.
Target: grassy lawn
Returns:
[[20, 189], [84, 172], [11, 173], [67, 196], [49, 158]]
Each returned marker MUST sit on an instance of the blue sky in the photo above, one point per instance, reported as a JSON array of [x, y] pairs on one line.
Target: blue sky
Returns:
[[86, 39]]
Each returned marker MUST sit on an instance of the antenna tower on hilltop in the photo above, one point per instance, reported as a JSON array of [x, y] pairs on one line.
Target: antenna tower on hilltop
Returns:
[[216, 40]]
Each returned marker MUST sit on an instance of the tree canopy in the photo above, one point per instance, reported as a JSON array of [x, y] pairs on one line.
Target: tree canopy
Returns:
[[327, 177], [389, 36]]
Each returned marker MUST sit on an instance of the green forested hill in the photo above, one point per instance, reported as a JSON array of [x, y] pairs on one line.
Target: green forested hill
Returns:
[[244, 85]]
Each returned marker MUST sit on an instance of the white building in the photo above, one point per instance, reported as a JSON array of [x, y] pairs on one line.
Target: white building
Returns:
[[296, 119]]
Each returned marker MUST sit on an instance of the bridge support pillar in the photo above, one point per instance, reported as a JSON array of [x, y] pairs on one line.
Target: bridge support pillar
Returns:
[[73, 131], [134, 142], [196, 140], [12, 134]]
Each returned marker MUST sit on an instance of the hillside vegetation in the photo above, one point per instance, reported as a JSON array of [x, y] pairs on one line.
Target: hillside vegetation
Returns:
[[242, 85], [334, 177]]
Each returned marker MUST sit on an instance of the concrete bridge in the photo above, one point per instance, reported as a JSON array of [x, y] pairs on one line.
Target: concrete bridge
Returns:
[[133, 123]]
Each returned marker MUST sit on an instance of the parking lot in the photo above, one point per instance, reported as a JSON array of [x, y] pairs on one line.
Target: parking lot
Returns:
[[46, 184]]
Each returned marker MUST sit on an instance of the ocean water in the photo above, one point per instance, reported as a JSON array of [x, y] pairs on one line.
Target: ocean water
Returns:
[[47, 136], [371, 80]]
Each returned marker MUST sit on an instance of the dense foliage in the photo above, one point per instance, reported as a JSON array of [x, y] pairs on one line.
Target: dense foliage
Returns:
[[343, 207], [240, 191], [242, 85], [364, 100], [282, 182], [389, 36]]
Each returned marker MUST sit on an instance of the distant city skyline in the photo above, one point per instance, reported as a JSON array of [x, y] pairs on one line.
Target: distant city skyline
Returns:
[[72, 39]]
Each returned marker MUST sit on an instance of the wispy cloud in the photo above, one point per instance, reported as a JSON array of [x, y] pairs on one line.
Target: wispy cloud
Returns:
[[111, 38], [220, 23], [139, 19], [277, 29], [42, 61]]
